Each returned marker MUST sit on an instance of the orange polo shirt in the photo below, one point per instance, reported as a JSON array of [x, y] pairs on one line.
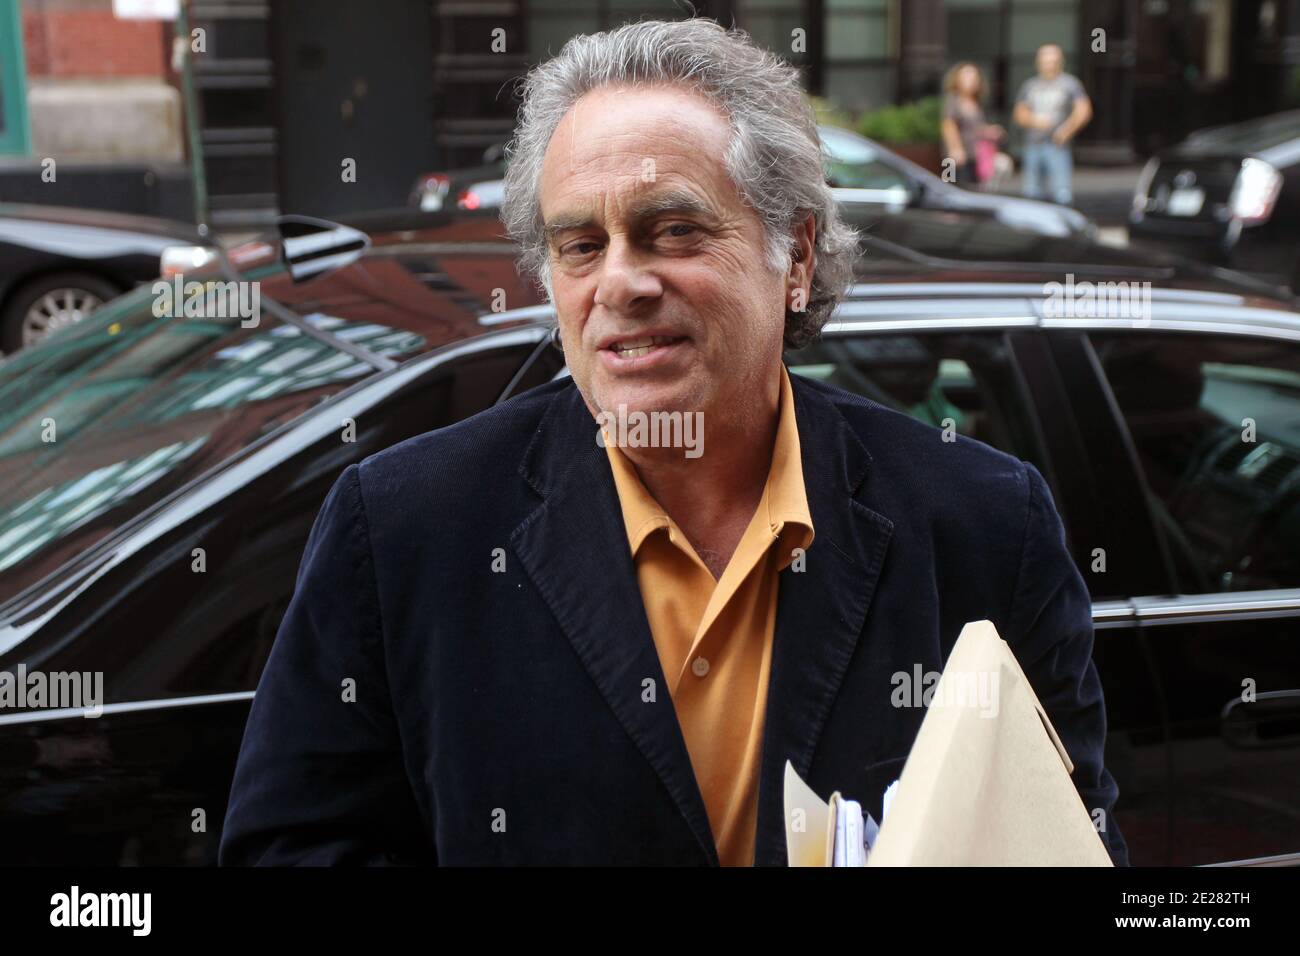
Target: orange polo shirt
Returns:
[[714, 637]]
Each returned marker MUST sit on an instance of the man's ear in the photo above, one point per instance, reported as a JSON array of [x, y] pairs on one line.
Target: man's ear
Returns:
[[803, 260]]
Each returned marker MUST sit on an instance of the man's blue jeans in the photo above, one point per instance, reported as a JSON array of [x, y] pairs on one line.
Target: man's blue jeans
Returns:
[[1047, 161]]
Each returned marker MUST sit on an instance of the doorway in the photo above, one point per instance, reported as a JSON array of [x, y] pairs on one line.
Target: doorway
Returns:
[[355, 84]]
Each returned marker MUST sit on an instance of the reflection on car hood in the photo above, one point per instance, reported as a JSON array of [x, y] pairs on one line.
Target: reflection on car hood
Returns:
[[1017, 212], [921, 241]]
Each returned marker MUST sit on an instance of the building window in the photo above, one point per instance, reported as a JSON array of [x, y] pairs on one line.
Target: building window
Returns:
[[772, 23], [1034, 23], [976, 33], [859, 67], [552, 23]]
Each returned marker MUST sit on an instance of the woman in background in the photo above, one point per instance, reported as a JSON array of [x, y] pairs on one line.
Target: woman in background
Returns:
[[970, 142]]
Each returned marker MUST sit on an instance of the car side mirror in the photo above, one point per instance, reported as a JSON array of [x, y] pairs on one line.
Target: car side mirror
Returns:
[[310, 247]]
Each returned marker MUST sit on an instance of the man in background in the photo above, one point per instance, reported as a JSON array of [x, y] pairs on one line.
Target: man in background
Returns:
[[1051, 107]]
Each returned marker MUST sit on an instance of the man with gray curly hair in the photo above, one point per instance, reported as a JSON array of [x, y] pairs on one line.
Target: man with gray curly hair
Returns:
[[591, 624]]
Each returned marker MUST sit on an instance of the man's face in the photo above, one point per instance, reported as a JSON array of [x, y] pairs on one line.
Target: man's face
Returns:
[[1050, 61], [664, 297]]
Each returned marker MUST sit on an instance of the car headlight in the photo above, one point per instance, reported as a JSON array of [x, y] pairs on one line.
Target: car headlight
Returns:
[[1255, 192]]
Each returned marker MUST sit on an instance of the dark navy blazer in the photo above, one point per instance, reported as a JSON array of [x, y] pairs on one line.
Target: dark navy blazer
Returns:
[[420, 706]]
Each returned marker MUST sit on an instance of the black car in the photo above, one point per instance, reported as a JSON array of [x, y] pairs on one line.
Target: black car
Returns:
[[57, 265], [868, 181], [157, 540], [473, 187], [1229, 195]]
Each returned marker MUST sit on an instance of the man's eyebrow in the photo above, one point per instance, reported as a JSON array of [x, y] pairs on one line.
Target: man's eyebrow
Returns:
[[658, 204]]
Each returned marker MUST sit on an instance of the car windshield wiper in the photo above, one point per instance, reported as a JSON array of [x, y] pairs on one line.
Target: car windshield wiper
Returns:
[[381, 363]]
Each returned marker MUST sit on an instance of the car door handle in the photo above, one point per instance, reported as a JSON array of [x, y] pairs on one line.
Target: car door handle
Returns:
[[1272, 719]]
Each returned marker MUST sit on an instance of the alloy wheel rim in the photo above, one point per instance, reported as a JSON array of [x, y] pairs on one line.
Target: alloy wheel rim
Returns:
[[57, 309]]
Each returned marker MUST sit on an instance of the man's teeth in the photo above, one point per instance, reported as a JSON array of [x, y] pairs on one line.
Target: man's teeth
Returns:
[[635, 348]]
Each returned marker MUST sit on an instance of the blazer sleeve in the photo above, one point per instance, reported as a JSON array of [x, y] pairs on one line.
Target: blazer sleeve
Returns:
[[320, 778], [1051, 624]]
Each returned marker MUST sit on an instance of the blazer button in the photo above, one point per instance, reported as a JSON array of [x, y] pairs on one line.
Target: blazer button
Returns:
[[699, 667]]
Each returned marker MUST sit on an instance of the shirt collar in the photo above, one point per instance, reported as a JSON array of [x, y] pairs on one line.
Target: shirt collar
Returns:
[[784, 498]]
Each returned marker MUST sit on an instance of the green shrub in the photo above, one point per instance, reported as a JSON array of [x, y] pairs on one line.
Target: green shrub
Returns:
[[915, 122]]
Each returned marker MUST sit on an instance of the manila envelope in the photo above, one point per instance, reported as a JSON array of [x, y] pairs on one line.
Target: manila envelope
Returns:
[[987, 782]]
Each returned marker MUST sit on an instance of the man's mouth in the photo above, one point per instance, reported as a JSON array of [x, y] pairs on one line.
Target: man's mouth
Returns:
[[636, 348]]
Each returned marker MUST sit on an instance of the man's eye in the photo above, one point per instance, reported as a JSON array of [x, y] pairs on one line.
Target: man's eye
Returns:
[[579, 248], [679, 230]]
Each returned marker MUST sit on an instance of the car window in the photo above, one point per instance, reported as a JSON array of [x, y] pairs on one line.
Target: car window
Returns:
[[853, 163], [1215, 421], [98, 423], [965, 383]]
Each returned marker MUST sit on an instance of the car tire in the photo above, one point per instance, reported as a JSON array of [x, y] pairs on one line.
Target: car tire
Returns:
[[50, 302]]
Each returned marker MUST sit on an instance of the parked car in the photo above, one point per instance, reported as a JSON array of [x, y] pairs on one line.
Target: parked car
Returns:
[[1229, 195], [867, 179], [158, 539], [57, 264], [475, 187]]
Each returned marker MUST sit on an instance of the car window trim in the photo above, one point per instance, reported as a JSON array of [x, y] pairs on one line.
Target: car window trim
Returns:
[[124, 707], [522, 371], [1156, 610]]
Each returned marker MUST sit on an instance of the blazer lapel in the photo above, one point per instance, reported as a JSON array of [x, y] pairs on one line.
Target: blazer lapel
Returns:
[[574, 549], [820, 610]]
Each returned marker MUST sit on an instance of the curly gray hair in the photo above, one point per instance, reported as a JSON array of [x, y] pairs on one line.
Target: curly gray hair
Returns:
[[774, 158]]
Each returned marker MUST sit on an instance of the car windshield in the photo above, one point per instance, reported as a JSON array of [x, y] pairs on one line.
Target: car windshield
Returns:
[[854, 163], [1252, 136], [107, 417]]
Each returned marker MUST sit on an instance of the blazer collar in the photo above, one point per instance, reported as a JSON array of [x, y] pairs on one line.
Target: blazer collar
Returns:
[[573, 546]]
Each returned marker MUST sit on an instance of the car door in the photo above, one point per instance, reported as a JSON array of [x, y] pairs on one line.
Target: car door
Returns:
[[981, 367], [178, 612], [1204, 402]]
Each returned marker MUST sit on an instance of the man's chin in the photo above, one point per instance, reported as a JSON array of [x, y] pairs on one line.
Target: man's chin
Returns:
[[645, 398], [614, 406]]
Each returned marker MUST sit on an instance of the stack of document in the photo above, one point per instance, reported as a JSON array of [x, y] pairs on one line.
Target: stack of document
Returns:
[[983, 785]]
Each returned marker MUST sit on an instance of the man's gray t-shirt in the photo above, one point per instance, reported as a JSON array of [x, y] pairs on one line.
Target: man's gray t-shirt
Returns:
[[1053, 98]]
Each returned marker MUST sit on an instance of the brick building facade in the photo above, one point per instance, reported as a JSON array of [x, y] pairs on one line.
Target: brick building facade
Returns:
[[99, 88]]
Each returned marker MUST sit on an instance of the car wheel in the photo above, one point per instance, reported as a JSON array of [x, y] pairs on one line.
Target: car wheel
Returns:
[[48, 304]]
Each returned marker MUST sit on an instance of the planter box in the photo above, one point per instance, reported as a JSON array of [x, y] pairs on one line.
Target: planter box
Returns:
[[926, 155]]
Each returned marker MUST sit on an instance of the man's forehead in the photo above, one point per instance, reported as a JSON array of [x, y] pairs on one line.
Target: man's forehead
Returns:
[[624, 128], [631, 153]]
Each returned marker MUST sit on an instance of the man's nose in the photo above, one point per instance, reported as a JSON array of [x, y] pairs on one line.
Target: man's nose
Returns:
[[626, 277]]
